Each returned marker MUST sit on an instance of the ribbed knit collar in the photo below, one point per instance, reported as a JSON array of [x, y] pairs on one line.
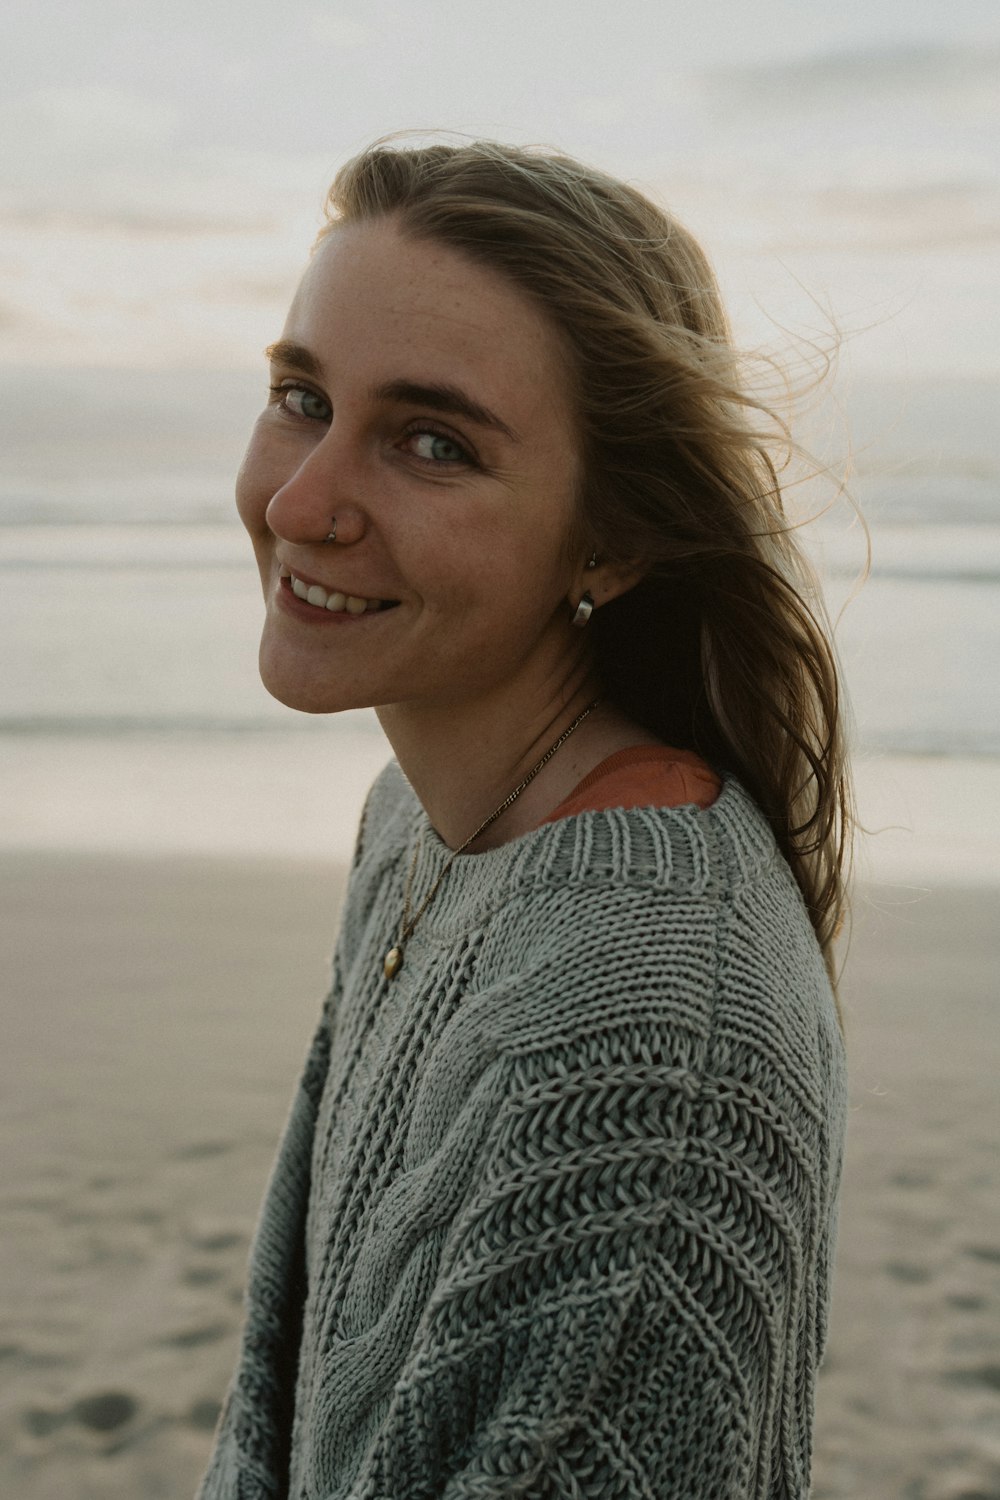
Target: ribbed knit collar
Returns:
[[683, 850]]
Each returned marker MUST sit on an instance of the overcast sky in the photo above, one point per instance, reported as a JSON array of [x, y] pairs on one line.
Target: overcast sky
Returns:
[[165, 165]]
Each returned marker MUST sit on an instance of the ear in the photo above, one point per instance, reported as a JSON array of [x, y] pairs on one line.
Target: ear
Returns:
[[605, 581]]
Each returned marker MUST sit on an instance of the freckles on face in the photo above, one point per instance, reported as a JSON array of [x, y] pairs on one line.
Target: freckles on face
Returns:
[[424, 401]]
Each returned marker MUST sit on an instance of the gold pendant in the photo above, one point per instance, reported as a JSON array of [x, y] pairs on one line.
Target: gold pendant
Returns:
[[393, 962]]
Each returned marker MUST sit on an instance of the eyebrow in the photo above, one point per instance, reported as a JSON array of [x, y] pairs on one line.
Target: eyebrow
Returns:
[[448, 399], [443, 398], [287, 352]]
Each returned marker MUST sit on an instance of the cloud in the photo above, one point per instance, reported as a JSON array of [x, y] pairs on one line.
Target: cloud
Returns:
[[92, 118], [235, 290], [918, 214], [600, 109], [13, 320], [84, 151], [965, 74], [346, 33], [145, 185], [137, 223]]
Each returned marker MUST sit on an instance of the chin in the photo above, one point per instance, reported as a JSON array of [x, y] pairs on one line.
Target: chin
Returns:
[[301, 702], [302, 691]]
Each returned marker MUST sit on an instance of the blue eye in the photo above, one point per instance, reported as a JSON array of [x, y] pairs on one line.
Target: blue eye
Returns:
[[435, 448], [300, 401]]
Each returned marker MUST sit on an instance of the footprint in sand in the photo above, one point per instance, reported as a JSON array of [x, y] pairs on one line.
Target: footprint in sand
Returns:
[[41, 1423], [202, 1275], [913, 1177], [967, 1301], [989, 1253], [204, 1414], [215, 1241], [102, 1412], [903, 1271], [988, 1375], [190, 1338], [200, 1150]]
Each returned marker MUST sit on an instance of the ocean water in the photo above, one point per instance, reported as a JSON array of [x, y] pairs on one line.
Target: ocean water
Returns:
[[130, 614], [119, 630]]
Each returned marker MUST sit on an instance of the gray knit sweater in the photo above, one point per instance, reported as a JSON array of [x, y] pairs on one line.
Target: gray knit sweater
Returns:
[[554, 1211]]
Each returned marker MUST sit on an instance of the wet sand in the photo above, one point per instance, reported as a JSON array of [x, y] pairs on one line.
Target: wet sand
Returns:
[[156, 1013]]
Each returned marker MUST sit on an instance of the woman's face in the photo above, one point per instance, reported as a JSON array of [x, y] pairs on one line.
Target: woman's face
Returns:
[[424, 402]]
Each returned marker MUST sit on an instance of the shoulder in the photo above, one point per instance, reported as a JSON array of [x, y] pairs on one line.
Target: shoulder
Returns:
[[682, 927], [623, 888], [682, 850], [637, 895]]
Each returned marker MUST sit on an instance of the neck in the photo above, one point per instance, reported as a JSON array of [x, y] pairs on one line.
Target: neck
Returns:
[[463, 763]]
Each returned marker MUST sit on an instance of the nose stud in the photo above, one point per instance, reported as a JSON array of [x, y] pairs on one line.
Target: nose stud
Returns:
[[331, 535]]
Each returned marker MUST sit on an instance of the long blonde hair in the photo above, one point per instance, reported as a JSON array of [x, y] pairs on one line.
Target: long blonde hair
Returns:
[[722, 647]]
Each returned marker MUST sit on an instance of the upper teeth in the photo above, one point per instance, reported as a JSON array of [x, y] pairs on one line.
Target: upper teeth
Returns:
[[313, 594]]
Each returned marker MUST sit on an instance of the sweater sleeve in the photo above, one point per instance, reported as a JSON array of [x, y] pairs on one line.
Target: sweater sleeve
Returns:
[[252, 1432], [618, 1307]]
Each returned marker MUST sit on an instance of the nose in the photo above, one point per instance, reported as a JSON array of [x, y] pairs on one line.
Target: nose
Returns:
[[303, 509]]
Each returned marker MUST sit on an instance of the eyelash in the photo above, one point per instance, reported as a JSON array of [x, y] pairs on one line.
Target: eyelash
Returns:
[[285, 390], [414, 430], [428, 429]]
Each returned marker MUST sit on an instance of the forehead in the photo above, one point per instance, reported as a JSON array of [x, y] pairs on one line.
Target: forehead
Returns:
[[381, 303]]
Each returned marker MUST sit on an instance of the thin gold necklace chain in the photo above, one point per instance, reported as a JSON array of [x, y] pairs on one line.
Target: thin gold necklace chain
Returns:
[[409, 923]]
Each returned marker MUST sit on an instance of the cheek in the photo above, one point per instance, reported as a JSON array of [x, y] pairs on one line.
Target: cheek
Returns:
[[497, 581], [253, 487]]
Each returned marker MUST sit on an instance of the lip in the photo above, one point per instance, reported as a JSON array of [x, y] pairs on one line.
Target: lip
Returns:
[[285, 572]]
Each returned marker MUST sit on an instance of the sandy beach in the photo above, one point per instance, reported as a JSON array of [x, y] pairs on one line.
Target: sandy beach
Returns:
[[156, 1013]]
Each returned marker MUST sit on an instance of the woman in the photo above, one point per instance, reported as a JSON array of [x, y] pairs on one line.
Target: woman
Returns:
[[555, 1208]]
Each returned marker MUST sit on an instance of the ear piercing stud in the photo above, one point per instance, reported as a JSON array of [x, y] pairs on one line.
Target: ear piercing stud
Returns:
[[585, 608]]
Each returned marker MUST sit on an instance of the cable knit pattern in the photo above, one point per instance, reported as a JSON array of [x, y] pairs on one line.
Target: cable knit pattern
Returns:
[[554, 1211]]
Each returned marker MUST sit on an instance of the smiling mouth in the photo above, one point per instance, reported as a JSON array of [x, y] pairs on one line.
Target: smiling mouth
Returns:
[[333, 600]]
